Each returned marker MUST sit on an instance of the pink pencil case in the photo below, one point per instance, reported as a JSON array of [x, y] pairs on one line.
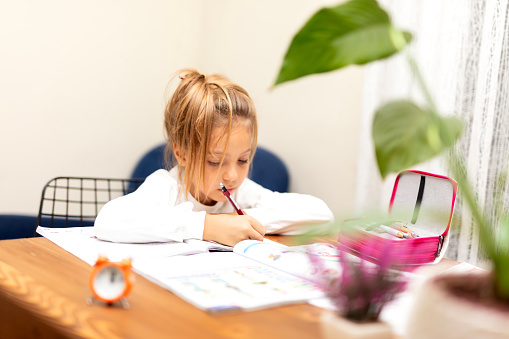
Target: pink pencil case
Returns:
[[424, 204]]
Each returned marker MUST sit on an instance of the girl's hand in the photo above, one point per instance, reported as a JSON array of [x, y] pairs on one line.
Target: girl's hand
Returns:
[[229, 229]]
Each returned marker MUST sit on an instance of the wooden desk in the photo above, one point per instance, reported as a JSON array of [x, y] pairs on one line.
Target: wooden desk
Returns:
[[43, 290]]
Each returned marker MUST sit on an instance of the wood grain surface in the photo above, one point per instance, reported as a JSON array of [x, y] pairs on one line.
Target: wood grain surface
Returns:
[[43, 292]]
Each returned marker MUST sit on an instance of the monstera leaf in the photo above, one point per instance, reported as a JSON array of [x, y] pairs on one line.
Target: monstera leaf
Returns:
[[355, 32], [405, 135]]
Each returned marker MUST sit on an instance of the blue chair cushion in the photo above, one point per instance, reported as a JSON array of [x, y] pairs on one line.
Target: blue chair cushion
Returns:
[[150, 162], [14, 226], [62, 222], [269, 171]]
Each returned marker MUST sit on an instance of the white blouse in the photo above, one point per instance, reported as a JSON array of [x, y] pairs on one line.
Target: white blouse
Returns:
[[156, 212]]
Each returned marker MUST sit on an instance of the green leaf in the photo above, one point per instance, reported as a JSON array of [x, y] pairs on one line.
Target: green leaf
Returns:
[[405, 135], [501, 258], [355, 32]]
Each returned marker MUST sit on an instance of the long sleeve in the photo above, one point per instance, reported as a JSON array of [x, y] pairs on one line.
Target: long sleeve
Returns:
[[156, 212], [150, 214], [288, 213]]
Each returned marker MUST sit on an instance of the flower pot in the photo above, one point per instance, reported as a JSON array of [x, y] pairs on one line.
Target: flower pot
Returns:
[[334, 326], [451, 307]]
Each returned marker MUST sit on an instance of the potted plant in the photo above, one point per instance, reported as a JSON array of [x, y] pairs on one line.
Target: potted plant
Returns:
[[405, 134], [360, 293]]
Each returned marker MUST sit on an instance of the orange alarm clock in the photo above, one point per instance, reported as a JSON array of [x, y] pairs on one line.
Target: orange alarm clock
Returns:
[[111, 281]]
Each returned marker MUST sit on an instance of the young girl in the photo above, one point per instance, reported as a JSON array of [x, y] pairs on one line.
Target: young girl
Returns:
[[211, 128]]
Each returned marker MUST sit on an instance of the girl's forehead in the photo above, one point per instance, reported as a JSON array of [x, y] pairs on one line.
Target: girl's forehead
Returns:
[[240, 136]]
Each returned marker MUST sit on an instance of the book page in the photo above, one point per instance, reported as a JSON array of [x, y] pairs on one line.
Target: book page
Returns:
[[227, 282], [207, 246], [212, 246], [293, 260], [81, 242]]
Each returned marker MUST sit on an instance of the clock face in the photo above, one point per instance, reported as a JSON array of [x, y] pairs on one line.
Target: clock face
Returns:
[[109, 283]]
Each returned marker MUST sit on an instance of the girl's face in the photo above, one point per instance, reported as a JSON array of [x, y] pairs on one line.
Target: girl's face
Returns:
[[234, 168]]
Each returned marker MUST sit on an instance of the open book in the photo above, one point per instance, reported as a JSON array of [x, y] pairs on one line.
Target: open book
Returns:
[[255, 275]]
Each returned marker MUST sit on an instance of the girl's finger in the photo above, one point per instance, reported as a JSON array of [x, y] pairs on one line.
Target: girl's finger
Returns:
[[254, 235], [257, 226]]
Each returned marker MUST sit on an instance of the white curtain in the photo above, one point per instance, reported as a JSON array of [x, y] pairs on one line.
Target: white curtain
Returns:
[[462, 50]]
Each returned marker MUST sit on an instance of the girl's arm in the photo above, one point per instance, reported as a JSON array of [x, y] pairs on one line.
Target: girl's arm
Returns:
[[149, 214], [289, 213]]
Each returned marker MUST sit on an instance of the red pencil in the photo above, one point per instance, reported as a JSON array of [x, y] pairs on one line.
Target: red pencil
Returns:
[[227, 195]]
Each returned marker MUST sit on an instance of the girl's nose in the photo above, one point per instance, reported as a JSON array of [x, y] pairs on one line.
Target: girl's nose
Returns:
[[230, 173]]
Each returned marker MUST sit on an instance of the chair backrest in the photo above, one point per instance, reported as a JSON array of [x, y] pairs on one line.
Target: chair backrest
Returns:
[[74, 201], [268, 169], [150, 162]]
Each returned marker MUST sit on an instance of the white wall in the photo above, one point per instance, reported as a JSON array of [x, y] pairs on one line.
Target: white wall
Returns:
[[82, 89], [81, 85]]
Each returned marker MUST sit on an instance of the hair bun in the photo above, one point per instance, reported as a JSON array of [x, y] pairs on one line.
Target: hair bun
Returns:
[[189, 74]]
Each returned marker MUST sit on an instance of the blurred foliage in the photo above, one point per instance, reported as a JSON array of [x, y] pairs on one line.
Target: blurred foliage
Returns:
[[404, 134]]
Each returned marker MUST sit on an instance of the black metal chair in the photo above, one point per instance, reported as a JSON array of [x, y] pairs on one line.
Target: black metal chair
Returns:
[[74, 201]]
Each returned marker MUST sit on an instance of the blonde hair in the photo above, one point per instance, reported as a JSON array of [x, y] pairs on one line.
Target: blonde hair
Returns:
[[199, 104]]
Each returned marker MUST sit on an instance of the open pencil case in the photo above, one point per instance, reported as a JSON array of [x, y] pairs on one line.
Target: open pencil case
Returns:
[[417, 228]]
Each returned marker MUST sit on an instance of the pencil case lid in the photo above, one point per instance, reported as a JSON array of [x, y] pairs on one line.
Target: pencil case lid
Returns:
[[424, 200]]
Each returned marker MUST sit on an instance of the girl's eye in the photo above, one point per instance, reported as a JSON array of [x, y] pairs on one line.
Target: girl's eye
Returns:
[[212, 163], [243, 161]]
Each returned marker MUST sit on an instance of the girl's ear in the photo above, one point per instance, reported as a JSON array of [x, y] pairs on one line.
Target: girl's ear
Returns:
[[180, 155]]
